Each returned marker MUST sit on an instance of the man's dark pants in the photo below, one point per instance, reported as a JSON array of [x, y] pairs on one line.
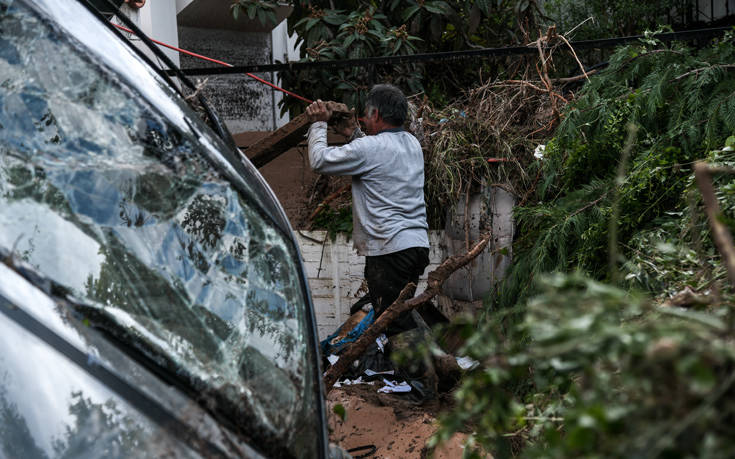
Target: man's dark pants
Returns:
[[386, 276]]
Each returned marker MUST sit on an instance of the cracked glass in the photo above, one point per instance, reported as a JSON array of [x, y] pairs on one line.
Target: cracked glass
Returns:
[[120, 207]]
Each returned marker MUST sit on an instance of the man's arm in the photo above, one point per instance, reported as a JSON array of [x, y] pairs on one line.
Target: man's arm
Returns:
[[349, 159]]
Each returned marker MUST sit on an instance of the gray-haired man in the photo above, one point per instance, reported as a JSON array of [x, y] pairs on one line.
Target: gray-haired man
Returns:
[[388, 209]]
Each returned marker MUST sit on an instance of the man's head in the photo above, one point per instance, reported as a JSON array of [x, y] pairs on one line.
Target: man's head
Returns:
[[386, 108]]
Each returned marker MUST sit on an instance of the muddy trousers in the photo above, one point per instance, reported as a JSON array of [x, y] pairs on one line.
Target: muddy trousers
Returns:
[[386, 276]]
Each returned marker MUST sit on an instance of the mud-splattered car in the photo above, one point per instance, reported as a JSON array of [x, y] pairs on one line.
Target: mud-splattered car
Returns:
[[152, 297]]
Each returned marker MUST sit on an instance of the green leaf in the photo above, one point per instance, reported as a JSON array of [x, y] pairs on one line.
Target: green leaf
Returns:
[[336, 19], [701, 317], [252, 10], [235, 11], [730, 142], [348, 41], [436, 7], [302, 21], [410, 12], [340, 411], [310, 22]]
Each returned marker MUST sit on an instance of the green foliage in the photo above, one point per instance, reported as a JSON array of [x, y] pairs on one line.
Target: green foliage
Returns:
[[591, 370], [335, 221], [264, 10], [389, 28], [573, 367], [681, 102]]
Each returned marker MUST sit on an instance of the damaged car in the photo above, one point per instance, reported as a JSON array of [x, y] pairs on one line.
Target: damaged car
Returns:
[[153, 301]]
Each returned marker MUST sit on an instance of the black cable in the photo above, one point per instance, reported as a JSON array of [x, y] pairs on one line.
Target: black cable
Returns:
[[371, 450], [450, 55]]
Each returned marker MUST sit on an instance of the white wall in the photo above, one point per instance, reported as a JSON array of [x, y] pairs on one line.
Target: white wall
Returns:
[[157, 19], [283, 50], [336, 285]]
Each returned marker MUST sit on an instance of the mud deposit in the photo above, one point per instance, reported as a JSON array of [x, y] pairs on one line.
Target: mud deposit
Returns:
[[397, 427]]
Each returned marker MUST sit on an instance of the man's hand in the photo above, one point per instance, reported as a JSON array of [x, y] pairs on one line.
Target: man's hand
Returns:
[[343, 120], [137, 4], [318, 111]]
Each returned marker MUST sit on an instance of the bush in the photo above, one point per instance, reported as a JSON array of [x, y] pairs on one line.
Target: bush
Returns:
[[593, 370]]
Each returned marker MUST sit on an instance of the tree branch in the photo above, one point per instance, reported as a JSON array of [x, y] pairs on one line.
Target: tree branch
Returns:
[[401, 305], [720, 233]]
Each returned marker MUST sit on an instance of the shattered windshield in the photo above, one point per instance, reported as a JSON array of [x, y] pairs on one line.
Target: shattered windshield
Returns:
[[104, 196]]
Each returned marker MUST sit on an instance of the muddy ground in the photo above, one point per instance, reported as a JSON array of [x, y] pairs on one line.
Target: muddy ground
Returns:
[[398, 427]]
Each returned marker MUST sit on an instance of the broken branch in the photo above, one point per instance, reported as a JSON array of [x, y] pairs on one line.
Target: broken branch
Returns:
[[720, 233], [327, 200], [401, 305]]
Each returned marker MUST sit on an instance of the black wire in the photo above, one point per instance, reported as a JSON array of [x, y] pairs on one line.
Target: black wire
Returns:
[[371, 448], [450, 55]]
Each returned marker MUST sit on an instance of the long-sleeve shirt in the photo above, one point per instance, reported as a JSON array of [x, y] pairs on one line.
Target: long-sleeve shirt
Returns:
[[387, 169]]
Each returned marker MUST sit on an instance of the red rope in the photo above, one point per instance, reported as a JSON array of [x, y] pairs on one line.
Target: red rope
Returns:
[[205, 58]]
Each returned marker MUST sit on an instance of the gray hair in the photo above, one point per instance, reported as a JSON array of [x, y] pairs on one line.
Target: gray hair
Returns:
[[390, 103]]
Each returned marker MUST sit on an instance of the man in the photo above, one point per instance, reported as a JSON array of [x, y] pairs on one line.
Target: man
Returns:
[[388, 209]]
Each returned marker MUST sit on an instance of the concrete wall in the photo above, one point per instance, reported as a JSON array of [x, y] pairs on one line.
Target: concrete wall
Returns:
[[489, 211], [243, 103]]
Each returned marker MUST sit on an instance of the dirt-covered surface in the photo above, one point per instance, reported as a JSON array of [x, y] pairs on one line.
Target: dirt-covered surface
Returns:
[[397, 426]]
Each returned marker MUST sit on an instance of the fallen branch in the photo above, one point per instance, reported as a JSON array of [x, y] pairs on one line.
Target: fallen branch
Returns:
[[327, 200], [584, 72], [720, 233], [574, 78], [401, 305]]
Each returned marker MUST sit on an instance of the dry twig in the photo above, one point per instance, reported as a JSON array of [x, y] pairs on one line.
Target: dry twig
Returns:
[[327, 200]]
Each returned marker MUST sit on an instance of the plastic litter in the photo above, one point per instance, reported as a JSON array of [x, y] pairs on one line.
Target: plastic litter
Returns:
[[370, 372], [381, 341], [466, 363], [393, 386]]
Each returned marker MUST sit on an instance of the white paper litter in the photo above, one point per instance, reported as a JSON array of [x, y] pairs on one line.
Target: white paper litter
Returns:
[[393, 386], [381, 341], [332, 359], [466, 363], [348, 382], [370, 372]]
